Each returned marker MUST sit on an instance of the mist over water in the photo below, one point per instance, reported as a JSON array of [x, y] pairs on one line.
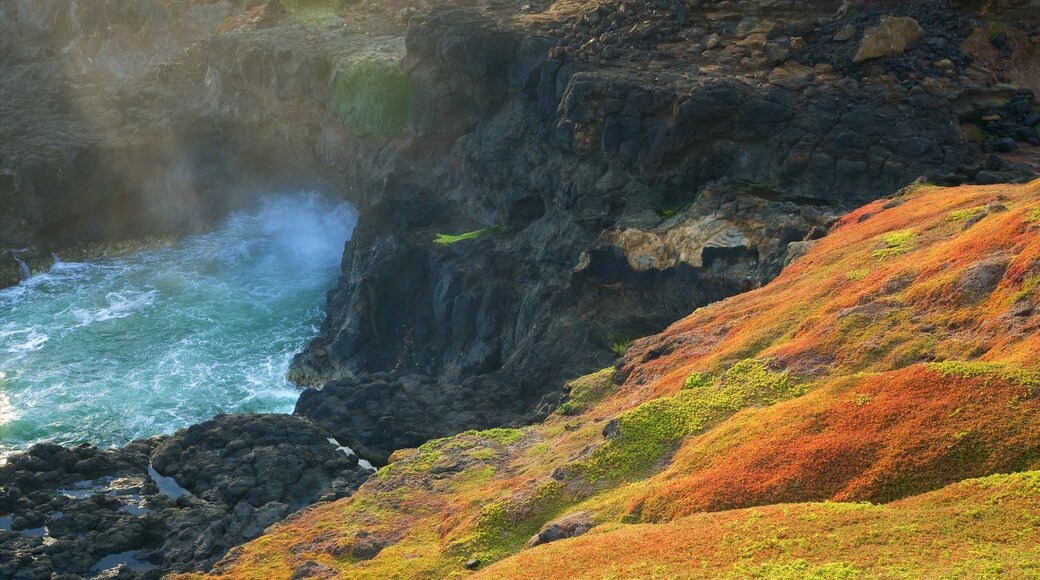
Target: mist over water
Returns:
[[109, 351]]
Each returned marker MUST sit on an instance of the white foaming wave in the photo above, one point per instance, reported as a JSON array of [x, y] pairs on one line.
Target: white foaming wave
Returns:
[[29, 339], [7, 411], [120, 305]]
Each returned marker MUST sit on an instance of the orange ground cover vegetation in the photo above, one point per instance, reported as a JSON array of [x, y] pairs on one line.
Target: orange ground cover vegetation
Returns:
[[899, 357], [985, 528], [876, 438]]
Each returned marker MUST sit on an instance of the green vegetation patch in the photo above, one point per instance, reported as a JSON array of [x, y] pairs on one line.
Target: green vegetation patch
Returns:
[[796, 570], [316, 5], [504, 527], [972, 369], [372, 97], [1035, 214], [585, 391], [498, 435], [644, 434], [620, 347], [896, 243], [857, 275], [964, 214], [448, 239], [696, 380]]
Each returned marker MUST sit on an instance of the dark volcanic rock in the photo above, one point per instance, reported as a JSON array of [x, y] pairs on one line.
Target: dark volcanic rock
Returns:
[[82, 511], [552, 156]]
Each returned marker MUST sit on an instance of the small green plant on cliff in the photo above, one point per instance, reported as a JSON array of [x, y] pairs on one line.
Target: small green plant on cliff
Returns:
[[448, 239], [895, 243], [641, 436], [620, 346], [964, 214]]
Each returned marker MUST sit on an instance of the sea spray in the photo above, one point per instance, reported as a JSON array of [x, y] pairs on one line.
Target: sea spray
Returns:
[[23, 270], [108, 351]]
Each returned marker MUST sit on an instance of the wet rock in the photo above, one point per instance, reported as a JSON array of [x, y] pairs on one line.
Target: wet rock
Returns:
[[845, 33], [893, 36], [791, 76], [240, 474]]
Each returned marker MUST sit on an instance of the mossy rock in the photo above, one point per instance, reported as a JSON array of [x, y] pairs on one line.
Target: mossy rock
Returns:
[[313, 5], [372, 97]]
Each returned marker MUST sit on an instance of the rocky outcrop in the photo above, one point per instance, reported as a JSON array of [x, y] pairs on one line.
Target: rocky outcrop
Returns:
[[587, 192], [169, 503]]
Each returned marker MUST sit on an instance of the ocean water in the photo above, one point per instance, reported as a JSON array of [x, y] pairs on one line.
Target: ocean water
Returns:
[[147, 343]]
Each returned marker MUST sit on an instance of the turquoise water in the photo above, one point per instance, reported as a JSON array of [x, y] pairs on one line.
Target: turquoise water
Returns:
[[109, 351]]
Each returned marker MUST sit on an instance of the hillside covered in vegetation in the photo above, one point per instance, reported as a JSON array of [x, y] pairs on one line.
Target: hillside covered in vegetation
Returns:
[[873, 411]]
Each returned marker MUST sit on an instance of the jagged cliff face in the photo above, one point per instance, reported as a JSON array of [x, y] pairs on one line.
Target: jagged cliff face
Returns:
[[587, 173], [623, 163]]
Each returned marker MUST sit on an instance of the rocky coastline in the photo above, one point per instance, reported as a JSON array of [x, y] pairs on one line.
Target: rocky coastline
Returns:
[[538, 184]]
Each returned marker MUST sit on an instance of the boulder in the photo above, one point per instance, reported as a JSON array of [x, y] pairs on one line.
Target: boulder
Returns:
[[568, 526], [893, 36]]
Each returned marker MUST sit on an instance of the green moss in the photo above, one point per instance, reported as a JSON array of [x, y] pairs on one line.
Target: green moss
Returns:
[[896, 243], [1035, 214], [972, 369], [539, 449], [646, 433], [797, 570], [504, 527], [308, 5], [963, 214], [372, 97], [420, 463], [482, 454], [857, 275], [696, 380], [589, 389], [498, 435]]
